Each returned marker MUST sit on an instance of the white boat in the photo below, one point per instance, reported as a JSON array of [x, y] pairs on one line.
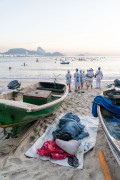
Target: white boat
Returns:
[[111, 127]]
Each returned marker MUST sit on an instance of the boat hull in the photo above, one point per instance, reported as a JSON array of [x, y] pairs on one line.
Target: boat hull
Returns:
[[114, 143], [14, 113], [65, 63], [16, 116]]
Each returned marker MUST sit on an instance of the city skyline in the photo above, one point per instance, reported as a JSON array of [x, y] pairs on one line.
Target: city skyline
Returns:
[[67, 26]]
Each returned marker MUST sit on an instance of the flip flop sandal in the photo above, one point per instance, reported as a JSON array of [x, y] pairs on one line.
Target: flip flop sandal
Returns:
[[73, 161], [70, 161]]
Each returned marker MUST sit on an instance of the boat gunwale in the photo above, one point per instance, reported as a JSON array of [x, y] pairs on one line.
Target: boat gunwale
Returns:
[[113, 150]]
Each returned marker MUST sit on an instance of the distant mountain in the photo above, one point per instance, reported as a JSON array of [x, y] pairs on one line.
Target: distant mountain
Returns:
[[39, 52], [54, 54], [88, 54], [20, 51]]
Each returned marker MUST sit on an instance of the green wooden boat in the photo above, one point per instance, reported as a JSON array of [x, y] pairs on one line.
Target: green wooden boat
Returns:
[[28, 104]]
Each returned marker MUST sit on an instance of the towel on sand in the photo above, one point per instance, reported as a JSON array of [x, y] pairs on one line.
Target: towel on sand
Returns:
[[91, 126]]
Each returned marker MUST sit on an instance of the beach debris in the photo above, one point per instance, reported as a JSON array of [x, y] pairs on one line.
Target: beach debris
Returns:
[[109, 85], [32, 138], [86, 146]]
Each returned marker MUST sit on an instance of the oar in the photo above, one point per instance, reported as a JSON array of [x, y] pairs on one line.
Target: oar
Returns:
[[103, 163]]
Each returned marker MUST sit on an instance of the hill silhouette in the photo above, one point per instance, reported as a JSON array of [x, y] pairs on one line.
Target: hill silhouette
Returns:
[[39, 52]]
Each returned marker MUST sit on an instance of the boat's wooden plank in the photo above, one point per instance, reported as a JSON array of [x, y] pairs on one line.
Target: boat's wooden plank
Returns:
[[51, 89], [38, 94], [104, 166], [56, 95], [18, 104]]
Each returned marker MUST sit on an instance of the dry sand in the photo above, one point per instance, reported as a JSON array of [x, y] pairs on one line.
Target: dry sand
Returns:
[[17, 166]]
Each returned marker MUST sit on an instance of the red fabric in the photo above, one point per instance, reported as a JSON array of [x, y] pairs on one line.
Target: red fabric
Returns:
[[50, 148]]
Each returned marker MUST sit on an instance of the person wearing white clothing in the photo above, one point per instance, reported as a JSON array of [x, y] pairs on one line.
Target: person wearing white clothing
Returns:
[[82, 78], [98, 76], [89, 78], [68, 80], [77, 80]]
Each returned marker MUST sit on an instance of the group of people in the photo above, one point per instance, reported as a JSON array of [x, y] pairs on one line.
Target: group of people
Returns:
[[81, 78]]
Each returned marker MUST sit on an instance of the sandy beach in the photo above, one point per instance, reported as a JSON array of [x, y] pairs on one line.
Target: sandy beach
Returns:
[[17, 166]]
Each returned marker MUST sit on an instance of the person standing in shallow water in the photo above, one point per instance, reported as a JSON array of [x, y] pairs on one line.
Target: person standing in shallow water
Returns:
[[98, 76], [77, 80], [68, 80]]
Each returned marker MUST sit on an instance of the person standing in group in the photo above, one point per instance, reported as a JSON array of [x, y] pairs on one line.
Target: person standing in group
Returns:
[[82, 78], [89, 78], [98, 76], [77, 80], [68, 80]]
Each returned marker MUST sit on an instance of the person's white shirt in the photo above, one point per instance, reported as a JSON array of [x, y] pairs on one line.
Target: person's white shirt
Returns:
[[99, 74], [90, 74], [68, 78], [77, 77]]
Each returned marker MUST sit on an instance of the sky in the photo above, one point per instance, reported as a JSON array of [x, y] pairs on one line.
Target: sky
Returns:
[[68, 26]]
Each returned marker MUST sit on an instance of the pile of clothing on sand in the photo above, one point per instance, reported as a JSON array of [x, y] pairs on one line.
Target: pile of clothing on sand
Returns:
[[66, 140]]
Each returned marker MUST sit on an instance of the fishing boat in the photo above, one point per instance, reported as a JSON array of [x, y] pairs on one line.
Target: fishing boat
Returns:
[[64, 62], [22, 106], [113, 95], [111, 124]]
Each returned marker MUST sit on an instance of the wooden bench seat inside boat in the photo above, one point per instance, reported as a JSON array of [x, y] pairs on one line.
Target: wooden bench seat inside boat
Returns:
[[37, 97], [51, 89], [18, 104], [56, 95]]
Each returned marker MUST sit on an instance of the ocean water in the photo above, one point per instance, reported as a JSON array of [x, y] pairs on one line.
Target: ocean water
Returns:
[[50, 67]]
